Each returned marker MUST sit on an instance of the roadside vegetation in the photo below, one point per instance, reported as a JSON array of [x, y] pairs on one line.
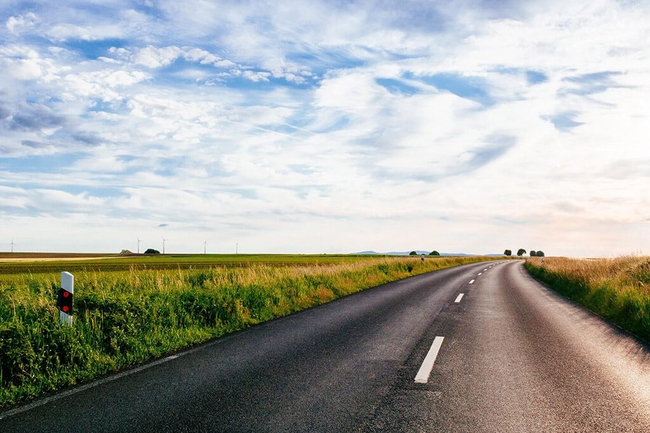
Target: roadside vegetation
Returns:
[[616, 289], [126, 317]]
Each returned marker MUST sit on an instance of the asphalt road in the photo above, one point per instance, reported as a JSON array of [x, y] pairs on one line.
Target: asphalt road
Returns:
[[511, 357]]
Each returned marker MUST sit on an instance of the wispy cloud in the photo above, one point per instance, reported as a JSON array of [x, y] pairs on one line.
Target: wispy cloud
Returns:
[[589, 84], [564, 121]]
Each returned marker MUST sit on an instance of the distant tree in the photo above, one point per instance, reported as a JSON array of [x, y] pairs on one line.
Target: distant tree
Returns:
[[413, 253], [521, 252], [151, 251], [126, 252], [540, 253], [434, 253], [533, 253], [507, 252]]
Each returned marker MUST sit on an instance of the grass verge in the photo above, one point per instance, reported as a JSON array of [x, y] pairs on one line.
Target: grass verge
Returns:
[[615, 289], [123, 318]]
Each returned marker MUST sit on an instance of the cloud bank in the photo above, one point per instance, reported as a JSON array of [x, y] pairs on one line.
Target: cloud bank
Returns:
[[331, 127]]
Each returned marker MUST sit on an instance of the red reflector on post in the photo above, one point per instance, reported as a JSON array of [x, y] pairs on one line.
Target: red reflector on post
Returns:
[[64, 301]]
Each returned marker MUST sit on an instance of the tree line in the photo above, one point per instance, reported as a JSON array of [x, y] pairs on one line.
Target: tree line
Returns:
[[522, 251]]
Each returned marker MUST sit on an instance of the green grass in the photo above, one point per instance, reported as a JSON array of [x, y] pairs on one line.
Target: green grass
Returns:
[[616, 289], [126, 317]]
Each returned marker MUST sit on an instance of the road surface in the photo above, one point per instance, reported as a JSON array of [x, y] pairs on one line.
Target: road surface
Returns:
[[477, 348]]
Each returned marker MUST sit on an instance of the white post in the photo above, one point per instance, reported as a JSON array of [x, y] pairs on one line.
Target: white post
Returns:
[[67, 283]]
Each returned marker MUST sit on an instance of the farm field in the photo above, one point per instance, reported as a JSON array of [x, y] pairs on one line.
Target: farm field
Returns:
[[616, 289], [17, 263], [132, 309]]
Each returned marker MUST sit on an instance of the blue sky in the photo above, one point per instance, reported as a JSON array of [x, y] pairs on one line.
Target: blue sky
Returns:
[[311, 127]]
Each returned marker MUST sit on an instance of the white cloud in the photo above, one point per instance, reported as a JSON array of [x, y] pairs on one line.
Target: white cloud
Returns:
[[16, 23], [64, 32], [23, 63], [207, 58], [256, 76], [122, 53], [153, 57]]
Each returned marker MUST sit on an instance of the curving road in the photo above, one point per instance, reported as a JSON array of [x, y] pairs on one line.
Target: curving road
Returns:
[[506, 356]]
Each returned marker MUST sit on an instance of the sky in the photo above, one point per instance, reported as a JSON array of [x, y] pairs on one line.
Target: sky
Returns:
[[337, 126]]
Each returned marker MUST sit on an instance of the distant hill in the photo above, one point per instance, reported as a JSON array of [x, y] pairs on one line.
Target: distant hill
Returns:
[[406, 253]]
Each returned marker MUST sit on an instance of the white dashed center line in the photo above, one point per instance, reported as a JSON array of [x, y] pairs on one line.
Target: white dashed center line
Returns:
[[472, 282], [458, 298], [429, 360], [480, 273]]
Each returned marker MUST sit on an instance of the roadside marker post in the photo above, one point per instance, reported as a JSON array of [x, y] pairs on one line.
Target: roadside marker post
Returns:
[[65, 295]]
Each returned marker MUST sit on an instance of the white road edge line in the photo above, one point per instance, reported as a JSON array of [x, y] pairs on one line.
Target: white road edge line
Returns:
[[46, 400], [429, 360], [480, 273], [458, 298], [472, 282], [81, 388]]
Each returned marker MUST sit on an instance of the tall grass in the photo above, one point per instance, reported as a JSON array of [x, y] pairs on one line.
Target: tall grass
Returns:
[[616, 289], [127, 317]]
